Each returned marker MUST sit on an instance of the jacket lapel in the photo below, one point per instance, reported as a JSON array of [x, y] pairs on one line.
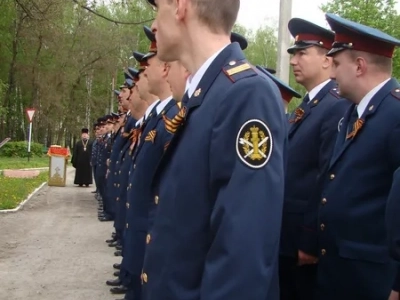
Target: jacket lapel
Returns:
[[342, 143], [152, 123], [313, 103]]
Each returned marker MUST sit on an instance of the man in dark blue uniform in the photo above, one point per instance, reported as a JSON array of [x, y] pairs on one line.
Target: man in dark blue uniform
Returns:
[[94, 155], [99, 164], [354, 260], [126, 125], [113, 188], [105, 152], [218, 188], [312, 135], [137, 109], [153, 137]]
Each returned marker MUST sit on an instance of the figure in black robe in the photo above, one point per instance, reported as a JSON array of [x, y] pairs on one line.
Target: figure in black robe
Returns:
[[81, 159]]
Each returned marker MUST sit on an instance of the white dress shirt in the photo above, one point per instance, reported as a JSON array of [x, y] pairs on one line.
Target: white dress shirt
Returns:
[[313, 93], [147, 112], [193, 81], [367, 98], [162, 105]]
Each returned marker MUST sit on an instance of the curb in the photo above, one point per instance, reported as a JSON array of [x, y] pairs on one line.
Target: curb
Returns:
[[28, 169], [25, 201]]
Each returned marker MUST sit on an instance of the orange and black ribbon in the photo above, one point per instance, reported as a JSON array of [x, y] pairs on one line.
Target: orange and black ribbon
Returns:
[[298, 115], [171, 125], [356, 128], [151, 136]]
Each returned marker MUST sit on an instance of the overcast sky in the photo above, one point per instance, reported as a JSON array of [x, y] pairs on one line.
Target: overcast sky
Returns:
[[254, 13]]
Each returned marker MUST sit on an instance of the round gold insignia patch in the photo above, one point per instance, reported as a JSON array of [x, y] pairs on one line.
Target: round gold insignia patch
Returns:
[[254, 143]]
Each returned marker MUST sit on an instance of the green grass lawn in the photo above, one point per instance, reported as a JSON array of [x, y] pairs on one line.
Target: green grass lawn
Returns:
[[22, 163], [15, 190]]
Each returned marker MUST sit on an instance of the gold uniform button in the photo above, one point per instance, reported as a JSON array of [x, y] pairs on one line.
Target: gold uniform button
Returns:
[[117, 198], [323, 201], [332, 176], [115, 173], [148, 239], [144, 277], [115, 184], [156, 198], [134, 166], [127, 205], [119, 172], [130, 185], [323, 251], [322, 227], [118, 185], [129, 173], [127, 225]]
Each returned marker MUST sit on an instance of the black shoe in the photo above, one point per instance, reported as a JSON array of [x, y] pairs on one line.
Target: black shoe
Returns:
[[117, 266], [111, 241], [118, 247], [113, 282], [94, 192], [119, 289], [106, 219], [118, 253], [116, 273], [113, 244]]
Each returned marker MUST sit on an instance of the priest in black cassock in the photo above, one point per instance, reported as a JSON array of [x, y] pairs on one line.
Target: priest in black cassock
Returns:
[[81, 159]]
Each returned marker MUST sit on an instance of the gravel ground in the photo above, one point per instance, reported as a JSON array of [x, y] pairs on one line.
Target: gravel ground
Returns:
[[54, 247]]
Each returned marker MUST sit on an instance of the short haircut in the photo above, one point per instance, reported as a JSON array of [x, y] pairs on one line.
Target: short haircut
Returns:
[[381, 63], [321, 50], [218, 15]]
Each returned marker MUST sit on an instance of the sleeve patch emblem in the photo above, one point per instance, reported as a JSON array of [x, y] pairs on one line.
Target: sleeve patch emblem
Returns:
[[254, 144]]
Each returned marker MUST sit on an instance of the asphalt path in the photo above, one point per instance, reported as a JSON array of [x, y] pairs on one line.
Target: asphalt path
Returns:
[[54, 247]]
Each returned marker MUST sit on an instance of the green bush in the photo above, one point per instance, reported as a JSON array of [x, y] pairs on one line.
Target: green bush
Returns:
[[20, 149]]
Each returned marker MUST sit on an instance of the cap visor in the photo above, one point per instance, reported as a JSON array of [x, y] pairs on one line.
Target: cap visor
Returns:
[[334, 51], [149, 55], [296, 47]]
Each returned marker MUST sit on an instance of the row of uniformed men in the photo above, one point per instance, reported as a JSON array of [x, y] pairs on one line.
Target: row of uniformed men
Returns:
[[313, 151], [141, 117]]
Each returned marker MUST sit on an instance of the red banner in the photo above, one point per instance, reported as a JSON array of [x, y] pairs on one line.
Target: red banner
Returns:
[[59, 151]]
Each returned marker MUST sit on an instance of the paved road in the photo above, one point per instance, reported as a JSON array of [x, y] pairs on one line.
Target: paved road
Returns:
[[54, 248]]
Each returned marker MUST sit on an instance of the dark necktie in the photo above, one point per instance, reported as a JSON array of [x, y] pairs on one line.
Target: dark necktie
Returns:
[[152, 114], [185, 98], [306, 100], [352, 120]]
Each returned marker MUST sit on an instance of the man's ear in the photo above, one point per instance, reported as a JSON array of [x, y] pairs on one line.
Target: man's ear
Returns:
[[181, 8], [362, 66], [327, 62]]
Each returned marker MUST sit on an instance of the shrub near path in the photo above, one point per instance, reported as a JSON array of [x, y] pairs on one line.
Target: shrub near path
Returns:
[[16, 190]]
